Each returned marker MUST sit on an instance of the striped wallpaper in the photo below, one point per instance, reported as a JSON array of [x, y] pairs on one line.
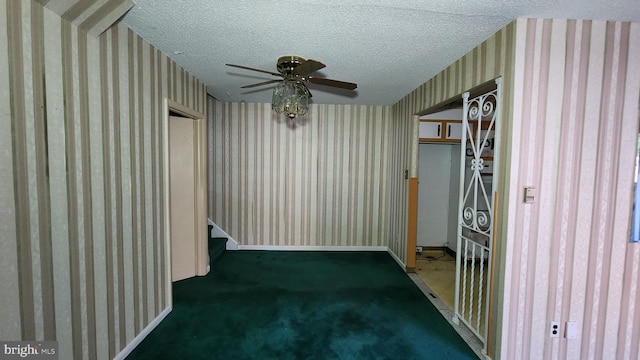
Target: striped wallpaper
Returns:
[[575, 121], [82, 221], [94, 17], [403, 152], [323, 183], [83, 192]]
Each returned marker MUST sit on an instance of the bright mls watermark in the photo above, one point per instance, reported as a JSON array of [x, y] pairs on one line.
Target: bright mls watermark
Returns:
[[32, 350]]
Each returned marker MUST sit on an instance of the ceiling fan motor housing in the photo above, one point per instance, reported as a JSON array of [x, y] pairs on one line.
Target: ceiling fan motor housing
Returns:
[[297, 69], [287, 63]]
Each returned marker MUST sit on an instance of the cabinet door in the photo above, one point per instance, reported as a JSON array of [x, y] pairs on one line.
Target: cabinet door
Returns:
[[453, 130], [430, 130]]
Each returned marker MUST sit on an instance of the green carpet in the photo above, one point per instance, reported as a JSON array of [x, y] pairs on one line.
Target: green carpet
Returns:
[[302, 305]]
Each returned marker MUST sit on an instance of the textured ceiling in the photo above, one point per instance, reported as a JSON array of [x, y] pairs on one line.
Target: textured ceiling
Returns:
[[387, 47]]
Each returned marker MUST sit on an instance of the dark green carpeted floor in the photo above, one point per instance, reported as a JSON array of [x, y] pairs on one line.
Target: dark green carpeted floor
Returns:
[[302, 305]]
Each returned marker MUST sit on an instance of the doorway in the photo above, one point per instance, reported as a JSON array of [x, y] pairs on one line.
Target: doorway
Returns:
[[477, 193], [185, 191], [438, 193], [439, 174]]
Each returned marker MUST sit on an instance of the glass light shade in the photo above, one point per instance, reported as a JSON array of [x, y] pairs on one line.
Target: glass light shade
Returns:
[[291, 98]]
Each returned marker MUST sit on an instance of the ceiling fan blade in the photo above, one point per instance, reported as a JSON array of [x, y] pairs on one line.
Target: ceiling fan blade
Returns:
[[308, 67], [260, 84], [252, 69], [334, 83]]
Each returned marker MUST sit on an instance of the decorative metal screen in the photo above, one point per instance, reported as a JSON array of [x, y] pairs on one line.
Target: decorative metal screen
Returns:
[[479, 157]]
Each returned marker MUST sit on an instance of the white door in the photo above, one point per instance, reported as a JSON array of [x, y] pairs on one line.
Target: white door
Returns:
[[182, 197], [478, 160]]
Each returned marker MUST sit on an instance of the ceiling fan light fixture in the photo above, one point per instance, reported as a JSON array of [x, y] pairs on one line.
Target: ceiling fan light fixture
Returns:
[[291, 95], [290, 98]]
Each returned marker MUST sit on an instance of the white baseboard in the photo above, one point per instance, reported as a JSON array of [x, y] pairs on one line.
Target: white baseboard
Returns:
[[143, 334], [311, 248], [232, 244], [324, 248], [397, 259]]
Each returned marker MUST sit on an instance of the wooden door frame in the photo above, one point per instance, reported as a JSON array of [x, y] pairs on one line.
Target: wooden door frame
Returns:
[[200, 169], [412, 224], [412, 198]]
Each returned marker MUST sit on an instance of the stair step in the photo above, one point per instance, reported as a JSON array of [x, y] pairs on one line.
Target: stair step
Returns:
[[217, 247]]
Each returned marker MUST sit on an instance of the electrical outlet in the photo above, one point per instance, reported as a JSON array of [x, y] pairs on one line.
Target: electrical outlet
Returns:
[[418, 249], [554, 329]]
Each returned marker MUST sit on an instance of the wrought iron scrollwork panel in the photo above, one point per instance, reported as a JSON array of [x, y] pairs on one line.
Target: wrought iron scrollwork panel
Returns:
[[478, 209]]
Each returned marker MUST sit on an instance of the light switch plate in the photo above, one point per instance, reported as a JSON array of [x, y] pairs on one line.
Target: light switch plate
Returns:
[[571, 330], [530, 194]]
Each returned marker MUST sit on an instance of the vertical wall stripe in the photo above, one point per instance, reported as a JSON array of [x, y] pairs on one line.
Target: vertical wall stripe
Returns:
[[174, 80], [125, 184], [9, 251], [85, 143], [97, 317], [118, 266], [163, 79], [31, 171], [132, 290], [21, 200], [141, 232], [108, 118], [72, 186], [46, 247], [83, 154], [145, 135], [155, 190], [47, 314], [146, 183], [155, 151]]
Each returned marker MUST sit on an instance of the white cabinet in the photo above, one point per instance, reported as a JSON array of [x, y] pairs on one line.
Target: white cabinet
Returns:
[[440, 131], [430, 130], [453, 130]]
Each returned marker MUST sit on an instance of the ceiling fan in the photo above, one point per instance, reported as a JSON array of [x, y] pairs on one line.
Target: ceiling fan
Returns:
[[297, 69], [291, 96]]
